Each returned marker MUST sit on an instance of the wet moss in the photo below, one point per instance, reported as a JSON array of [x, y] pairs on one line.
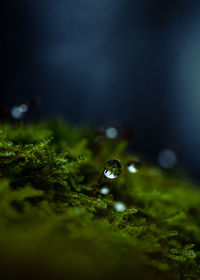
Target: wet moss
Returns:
[[56, 224]]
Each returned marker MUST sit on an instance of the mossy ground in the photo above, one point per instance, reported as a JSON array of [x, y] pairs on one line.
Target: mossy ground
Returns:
[[53, 225]]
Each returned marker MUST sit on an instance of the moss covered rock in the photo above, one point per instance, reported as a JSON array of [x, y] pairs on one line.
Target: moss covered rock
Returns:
[[56, 223]]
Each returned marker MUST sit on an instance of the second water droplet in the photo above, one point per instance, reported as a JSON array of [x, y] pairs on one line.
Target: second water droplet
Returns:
[[134, 165]]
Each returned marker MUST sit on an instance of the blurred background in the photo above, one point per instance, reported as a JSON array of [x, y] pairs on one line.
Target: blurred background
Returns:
[[130, 62]]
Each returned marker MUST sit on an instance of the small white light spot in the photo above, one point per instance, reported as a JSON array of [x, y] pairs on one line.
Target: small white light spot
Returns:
[[167, 159], [109, 174], [104, 191], [111, 132], [119, 206]]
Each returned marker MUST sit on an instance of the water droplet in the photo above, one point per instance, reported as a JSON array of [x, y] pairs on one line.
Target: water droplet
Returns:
[[167, 159], [104, 191], [112, 169], [17, 112], [134, 165], [111, 132], [119, 206]]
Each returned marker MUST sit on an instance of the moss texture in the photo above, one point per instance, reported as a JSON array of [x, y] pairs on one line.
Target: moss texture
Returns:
[[55, 224]]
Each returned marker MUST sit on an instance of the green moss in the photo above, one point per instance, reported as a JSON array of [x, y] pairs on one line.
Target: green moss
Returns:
[[55, 224]]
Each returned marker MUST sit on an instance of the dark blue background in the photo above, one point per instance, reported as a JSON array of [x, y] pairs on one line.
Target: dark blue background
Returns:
[[131, 61]]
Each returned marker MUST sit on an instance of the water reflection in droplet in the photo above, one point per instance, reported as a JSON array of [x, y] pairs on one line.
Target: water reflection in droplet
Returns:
[[112, 169], [134, 165]]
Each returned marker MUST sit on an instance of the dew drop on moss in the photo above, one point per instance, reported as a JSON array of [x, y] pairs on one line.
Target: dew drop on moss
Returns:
[[112, 169], [119, 206], [134, 165]]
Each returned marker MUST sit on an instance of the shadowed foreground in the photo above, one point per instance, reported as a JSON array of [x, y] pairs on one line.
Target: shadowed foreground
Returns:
[[56, 224]]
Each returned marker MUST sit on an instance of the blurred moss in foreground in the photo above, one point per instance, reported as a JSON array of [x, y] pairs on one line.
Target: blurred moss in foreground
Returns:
[[56, 224]]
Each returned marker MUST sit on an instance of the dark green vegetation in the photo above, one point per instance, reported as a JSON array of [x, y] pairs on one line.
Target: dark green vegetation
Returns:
[[55, 224]]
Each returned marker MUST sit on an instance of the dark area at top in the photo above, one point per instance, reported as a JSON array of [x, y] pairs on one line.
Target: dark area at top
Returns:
[[107, 62]]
